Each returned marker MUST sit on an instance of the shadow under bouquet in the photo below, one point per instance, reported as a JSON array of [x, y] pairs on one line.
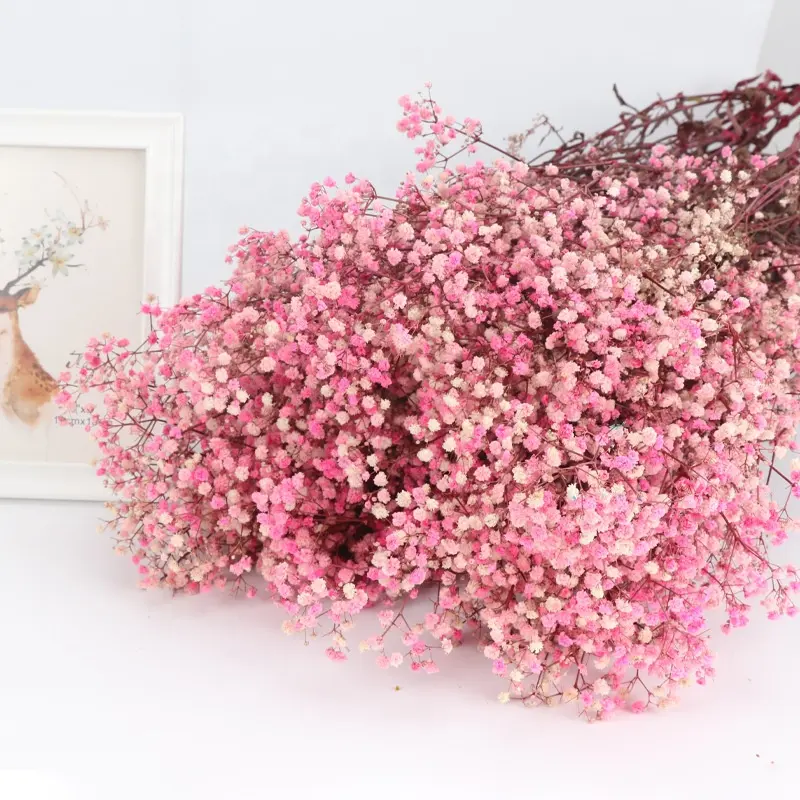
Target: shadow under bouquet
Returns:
[[532, 404]]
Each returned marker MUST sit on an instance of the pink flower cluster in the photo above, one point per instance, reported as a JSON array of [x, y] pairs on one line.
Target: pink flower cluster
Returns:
[[528, 404]]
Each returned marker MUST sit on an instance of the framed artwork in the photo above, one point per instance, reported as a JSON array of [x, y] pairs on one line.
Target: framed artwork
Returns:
[[90, 226]]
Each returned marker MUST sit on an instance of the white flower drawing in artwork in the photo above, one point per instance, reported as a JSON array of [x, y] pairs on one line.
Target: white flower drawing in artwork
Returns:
[[45, 253]]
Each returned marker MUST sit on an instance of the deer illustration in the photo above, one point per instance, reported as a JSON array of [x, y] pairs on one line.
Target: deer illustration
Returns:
[[26, 387]]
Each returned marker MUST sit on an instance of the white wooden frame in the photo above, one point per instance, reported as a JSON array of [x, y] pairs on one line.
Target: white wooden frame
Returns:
[[160, 136]]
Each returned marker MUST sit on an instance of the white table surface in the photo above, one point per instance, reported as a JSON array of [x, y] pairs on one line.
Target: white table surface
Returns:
[[111, 692]]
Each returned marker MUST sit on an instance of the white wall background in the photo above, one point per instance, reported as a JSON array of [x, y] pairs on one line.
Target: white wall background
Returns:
[[120, 692], [780, 51], [279, 94]]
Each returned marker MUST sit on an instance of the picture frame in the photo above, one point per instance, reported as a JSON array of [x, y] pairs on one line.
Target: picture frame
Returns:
[[156, 142]]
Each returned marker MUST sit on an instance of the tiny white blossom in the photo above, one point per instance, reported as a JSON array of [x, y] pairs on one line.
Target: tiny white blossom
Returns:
[[601, 686], [623, 547], [536, 500], [552, 457], [553, 605]]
